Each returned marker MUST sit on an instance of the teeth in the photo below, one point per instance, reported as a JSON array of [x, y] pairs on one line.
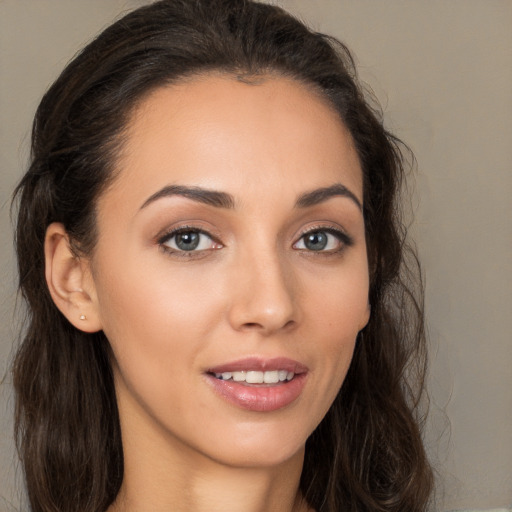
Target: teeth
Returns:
[[271, 377], [256, 377]]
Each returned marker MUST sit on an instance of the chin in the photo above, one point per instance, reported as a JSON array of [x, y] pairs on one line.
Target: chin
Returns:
[[258, 445], [262, 457]]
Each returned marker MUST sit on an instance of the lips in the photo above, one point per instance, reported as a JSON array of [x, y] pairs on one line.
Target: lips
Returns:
[[260, 385]]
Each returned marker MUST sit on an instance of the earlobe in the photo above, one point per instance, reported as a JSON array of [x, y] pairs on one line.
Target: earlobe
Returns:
[[69, 281]]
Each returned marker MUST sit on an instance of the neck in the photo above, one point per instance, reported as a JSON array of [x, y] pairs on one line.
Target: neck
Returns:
[[211, 487]]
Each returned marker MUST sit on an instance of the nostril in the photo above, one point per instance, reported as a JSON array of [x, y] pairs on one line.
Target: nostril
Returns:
[[253, 325], [256, 325], [289, 324]]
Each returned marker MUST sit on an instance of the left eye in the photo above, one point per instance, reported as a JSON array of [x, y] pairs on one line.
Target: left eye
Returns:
[[189, 240], [320, 240]]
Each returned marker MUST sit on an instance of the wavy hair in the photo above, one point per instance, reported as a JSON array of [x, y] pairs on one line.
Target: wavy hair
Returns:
[[367, 453]]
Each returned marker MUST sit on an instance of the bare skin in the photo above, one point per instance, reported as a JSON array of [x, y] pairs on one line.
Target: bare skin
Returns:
[[278, 273]]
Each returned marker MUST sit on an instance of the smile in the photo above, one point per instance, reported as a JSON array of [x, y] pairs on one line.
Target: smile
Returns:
[[259, 385], [257, 377]]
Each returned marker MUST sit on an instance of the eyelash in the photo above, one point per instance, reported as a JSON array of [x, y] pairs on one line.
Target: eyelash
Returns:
[[344, 240], [168, 236], [342, 237]]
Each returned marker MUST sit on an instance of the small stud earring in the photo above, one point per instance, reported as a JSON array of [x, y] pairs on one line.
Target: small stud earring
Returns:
[[83, 317]]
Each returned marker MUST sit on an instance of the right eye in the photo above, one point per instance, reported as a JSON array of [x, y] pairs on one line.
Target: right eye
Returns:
[[188, 240]]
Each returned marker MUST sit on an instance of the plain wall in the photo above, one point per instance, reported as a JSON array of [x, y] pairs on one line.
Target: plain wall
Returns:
[[443, 72]]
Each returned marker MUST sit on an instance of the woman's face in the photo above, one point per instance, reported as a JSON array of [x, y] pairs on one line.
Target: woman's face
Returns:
[[231, 250]]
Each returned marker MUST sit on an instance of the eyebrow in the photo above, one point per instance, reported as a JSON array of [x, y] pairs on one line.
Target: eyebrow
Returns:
[[323, 194], [225, 200], [202, 195]]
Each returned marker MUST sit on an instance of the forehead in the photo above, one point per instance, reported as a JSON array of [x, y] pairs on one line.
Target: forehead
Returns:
[[219, 132]]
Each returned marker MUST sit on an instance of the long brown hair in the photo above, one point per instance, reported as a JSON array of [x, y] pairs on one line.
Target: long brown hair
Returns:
[[367, 453]]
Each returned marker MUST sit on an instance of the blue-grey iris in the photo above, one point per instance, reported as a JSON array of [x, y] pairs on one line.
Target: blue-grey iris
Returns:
[[187, 241], [316, 241]]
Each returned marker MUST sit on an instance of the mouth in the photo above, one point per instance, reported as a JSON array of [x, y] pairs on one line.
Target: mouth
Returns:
[[257, 384], [257, 377]]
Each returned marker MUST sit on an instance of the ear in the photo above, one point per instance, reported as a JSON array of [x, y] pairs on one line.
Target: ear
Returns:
[[70, 281]]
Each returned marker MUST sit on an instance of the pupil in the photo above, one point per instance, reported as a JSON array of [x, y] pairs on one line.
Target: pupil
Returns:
[[316, 241], [187, 241]]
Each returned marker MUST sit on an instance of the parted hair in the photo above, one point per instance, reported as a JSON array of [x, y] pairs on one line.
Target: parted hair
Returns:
[[367, 453]]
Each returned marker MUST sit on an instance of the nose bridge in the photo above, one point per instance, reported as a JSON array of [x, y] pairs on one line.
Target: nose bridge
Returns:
[[264, 291]]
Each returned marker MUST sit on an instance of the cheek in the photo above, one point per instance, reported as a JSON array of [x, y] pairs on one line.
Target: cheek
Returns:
[[157, 325], [337, 311], [159, 322], [338, 300], [149, 296]]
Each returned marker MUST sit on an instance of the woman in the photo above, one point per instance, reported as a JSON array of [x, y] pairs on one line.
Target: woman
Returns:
[[210, 246]]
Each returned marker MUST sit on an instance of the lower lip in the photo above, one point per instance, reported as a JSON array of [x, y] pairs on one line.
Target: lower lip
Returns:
[[259, 398]]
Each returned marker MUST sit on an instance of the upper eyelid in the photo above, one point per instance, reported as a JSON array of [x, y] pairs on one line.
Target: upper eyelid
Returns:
[[165, 235], [330, 228], [321, 227]]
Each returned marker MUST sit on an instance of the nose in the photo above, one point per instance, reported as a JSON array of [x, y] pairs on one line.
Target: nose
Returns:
[[263, 295]]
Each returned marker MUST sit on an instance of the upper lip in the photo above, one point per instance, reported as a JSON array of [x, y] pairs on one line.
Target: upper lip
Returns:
[[260, 364]]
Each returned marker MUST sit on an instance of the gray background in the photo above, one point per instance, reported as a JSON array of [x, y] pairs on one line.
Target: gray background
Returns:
[[443, 72]]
